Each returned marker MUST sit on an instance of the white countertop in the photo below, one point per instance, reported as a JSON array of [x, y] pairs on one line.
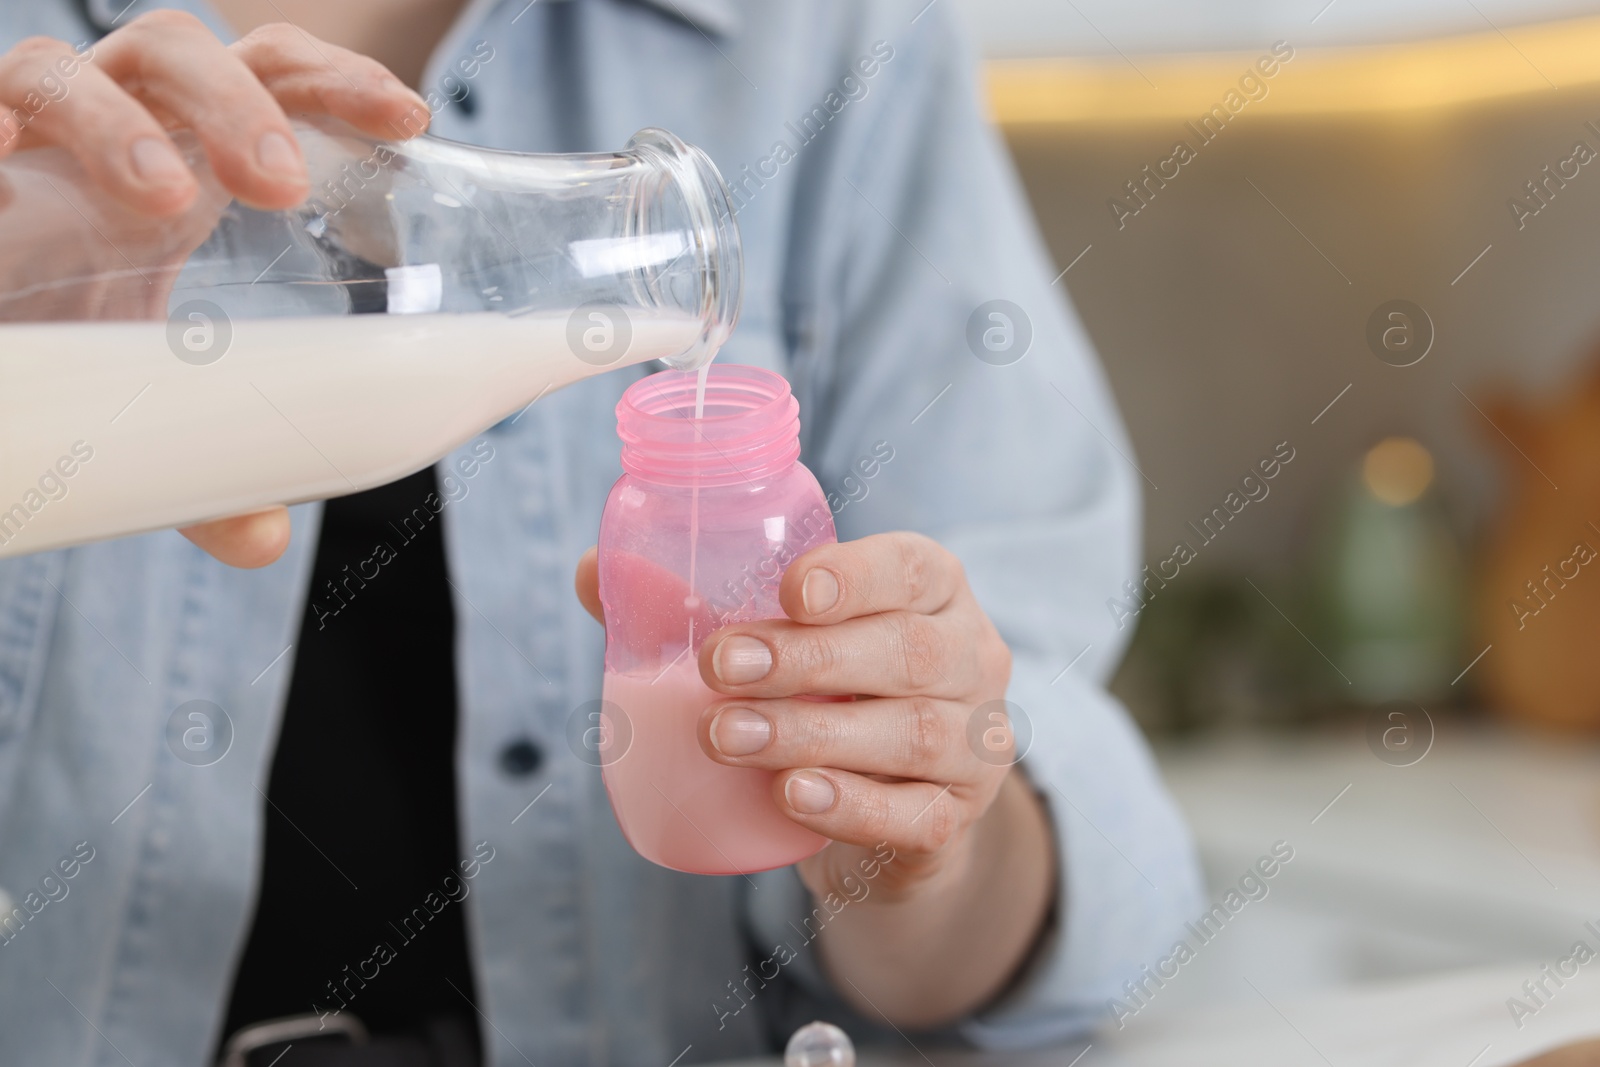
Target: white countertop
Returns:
[[1485, 852], [1452, 1020], [1444, 1021], [1415, 906]]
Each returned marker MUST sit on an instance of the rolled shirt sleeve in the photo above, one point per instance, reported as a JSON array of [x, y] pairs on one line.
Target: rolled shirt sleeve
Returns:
[[913, 227]]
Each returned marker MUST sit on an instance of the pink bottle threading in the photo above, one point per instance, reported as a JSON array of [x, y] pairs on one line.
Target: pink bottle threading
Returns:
[[695, 536]]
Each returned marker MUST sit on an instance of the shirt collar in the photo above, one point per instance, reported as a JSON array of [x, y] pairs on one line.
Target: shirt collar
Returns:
[[720, 18]]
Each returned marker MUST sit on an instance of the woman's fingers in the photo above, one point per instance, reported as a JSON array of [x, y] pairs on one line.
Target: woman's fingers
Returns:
[[248, 541], [885, 572], [111, 107], [912, 817], [113, 135], [171, 62], [906, 737], [308, 75], [899, 653]]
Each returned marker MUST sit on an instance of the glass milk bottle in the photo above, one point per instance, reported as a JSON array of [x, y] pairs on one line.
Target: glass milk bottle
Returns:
[[161, 372], [696, 535]]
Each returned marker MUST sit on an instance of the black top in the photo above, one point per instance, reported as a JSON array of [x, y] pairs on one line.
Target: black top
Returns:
[[361, 822]]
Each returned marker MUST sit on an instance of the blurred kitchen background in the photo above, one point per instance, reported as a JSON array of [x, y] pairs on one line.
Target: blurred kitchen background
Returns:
[[1342, 269]]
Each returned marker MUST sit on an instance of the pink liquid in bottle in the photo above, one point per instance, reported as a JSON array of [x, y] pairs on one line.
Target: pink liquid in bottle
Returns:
[[713, 505]]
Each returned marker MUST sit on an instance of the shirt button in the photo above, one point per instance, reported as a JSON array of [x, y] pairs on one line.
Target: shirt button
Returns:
[[521, 757]]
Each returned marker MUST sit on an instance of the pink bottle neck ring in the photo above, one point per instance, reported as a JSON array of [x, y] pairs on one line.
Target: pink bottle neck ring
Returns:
[[750, 431]]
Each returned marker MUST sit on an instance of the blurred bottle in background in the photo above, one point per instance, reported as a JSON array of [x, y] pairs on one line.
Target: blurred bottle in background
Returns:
[[1388, 584]]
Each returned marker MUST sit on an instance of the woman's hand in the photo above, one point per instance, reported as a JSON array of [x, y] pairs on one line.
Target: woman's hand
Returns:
[[111, 107], [914, 762], [165, 70], [890, 621]]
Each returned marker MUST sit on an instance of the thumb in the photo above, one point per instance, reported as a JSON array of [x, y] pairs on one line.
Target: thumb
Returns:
[[587, 583]]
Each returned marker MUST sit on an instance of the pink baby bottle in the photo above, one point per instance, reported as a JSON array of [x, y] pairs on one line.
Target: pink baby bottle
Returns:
[[695, 536]]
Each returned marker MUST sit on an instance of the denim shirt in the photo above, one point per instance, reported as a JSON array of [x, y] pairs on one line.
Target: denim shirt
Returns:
[[878, 213]]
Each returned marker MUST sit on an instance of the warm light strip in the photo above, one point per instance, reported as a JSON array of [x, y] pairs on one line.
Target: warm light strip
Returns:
[[1439, 73]]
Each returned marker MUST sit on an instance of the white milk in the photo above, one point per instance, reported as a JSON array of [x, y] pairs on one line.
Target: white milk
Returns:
[[297, 409]]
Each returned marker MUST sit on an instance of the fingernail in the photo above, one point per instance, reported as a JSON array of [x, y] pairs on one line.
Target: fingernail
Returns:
[[809, 793], [819, 592], [740, 660], [740, 732], [157, 163], [277, 156]]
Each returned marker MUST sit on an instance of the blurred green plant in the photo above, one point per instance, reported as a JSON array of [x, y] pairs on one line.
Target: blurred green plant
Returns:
[[1213, 651]]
